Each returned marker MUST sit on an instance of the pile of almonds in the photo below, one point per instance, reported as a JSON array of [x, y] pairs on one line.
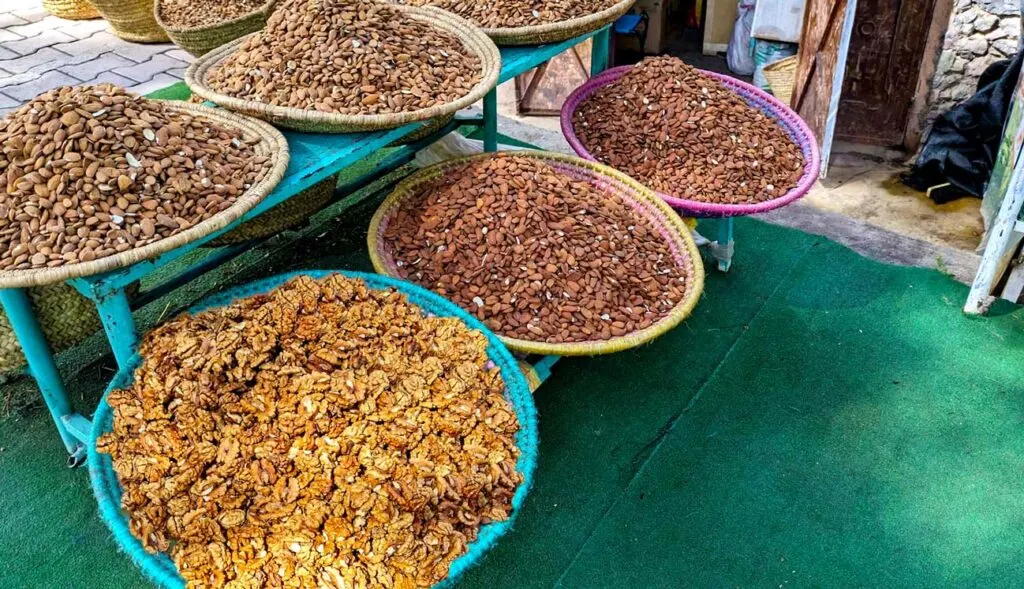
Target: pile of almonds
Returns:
[[92, 171], [534, 253], [685, 134], [201, 13], [498, 14], [353, 57], [321, 435]]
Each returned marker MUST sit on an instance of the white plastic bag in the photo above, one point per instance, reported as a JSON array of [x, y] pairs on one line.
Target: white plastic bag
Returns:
[[451, 146], [740, 54]]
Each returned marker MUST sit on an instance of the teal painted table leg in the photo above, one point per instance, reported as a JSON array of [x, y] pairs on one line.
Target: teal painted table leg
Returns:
[[42, 367], [117, 320], [722, 248], [491, 120], [599, 53]]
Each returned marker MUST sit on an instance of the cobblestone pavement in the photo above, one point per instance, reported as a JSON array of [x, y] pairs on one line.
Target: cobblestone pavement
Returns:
[[39, 51]]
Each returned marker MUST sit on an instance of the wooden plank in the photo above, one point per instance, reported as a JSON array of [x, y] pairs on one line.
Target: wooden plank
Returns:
[[825, 42], [778, 20]]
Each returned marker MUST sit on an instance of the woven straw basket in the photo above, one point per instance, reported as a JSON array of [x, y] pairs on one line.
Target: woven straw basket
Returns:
[[201, 40], [789, 121], [286, 215], [66, 317], [781, 76], [132, 20], [678, 242], [559, 31], [71, 9], [271, 143], [160, 568], [322, 122]]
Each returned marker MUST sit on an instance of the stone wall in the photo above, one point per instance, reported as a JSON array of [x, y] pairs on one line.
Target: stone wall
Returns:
[[980, 33]]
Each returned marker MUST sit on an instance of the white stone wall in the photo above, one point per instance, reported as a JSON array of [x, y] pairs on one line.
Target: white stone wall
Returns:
[[980, 33]]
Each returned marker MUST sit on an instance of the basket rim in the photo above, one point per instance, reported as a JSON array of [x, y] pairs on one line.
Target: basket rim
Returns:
[[159, 567], [784, 116], [525, 35], [267, 8], [662, 216], [471, 36], [272, 142]]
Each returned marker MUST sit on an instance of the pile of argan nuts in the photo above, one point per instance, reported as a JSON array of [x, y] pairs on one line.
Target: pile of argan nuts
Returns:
[[353, 57], [201, 13], [499, 14], [685, 134], [91, 171], [536, 254], [324, 434]]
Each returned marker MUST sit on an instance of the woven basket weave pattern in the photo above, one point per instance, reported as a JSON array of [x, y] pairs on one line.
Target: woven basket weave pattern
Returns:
[[790, 122], [65, 316], [71, 9], [287, 215], [201, 40], [559, 31], [159, 567], [781, 76], [314, 121], [271, 143], [132, 20], [671, 228]]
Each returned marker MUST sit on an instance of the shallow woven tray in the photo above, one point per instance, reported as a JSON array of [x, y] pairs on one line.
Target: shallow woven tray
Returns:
[[132, 20], [643, 200], [286, 215], [315, 121], [160, 568], [790, 122], [558, 31], [201, 40], [272, 143]]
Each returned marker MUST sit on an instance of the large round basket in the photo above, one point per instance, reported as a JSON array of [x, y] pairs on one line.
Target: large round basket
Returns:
[[161, 569], [678, 243], [557, 31], [65, 316], [71, 9], [201, 40], [132, 20], [473, 39], [287, 215], [790, 122], [271, 143]]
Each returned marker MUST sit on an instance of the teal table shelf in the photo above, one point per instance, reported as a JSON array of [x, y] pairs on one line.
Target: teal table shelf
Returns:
[[314, 157]]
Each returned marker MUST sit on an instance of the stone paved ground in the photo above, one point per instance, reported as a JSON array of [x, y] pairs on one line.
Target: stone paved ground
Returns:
[[39, 51]]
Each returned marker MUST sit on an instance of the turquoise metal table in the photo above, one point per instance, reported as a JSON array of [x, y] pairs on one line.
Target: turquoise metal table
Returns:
[[314, 157]]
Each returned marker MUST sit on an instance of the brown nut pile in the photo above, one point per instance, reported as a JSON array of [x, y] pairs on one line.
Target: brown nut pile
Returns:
[[353, 57], [91, 171], [535, 254], [201, 13], [321, 435], [685, 134], [498, 14]]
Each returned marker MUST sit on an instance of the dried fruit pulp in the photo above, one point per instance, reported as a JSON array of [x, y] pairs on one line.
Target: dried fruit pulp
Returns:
[[351, 57], [685, 134], [535, 253], [201, 13], [321, 435], [92, 171], [517, 13]]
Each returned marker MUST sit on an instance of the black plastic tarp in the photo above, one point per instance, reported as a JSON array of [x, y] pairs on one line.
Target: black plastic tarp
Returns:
[[963, 143]]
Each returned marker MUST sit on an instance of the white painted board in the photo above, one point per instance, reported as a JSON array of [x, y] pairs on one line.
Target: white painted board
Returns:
[[778, 20]]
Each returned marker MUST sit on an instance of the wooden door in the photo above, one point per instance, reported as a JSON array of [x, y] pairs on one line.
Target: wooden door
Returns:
[[881, 71], [825, 41]]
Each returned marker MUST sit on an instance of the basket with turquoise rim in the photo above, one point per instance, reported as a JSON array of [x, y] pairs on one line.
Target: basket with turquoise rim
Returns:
[[160, 568]]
